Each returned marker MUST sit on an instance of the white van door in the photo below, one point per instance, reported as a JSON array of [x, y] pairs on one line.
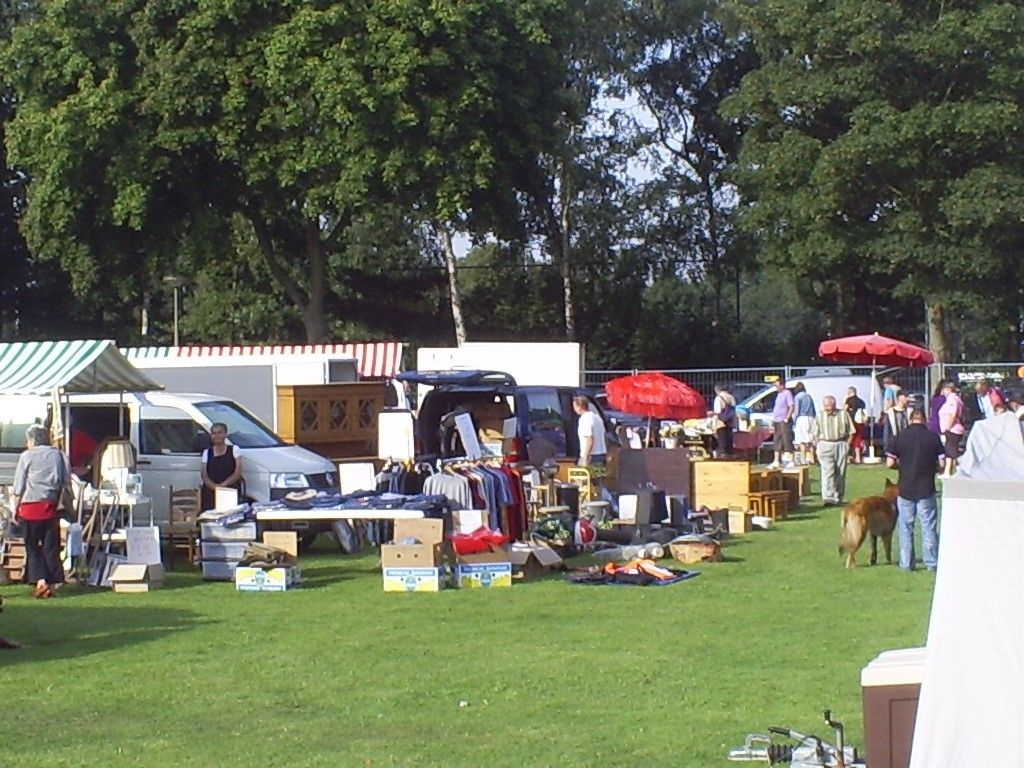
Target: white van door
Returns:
[[170, 446]]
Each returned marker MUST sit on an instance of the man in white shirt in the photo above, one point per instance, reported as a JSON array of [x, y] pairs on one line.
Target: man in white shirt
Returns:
[[590, 429]]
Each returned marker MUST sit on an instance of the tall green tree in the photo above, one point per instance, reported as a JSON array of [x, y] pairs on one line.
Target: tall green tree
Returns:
[[684, 59], [300, 117], [882, 145]]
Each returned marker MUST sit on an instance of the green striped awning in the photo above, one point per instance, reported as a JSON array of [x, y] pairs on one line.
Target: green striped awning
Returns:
[[37, 367]]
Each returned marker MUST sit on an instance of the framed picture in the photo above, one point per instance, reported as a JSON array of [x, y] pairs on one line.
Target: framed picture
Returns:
[[111, 562]]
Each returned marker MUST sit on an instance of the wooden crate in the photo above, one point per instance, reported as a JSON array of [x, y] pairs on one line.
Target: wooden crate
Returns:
[[773, 504], [797, 481], [765, 480], [721, 484], [696, 552], [12, 559]]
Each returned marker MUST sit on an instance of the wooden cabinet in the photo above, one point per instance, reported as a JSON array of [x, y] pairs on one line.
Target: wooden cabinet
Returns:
[[721, 484], [334, 420]]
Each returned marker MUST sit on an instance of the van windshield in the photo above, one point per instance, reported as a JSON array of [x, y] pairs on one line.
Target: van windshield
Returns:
[[244, 429]]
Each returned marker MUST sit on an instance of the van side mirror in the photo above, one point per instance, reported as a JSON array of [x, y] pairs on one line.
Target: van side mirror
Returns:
[[201, 441]]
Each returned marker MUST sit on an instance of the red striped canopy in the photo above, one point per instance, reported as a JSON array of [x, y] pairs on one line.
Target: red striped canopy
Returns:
[[874, 349]]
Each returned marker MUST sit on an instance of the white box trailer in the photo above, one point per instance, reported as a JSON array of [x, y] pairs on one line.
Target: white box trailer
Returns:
[[530, 363], [250, 375]]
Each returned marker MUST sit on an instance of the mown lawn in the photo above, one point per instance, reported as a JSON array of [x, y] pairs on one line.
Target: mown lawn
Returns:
[[340, 674]]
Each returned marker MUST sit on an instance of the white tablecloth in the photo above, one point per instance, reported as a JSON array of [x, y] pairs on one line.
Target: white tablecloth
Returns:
[[331, 513], [971, 710]]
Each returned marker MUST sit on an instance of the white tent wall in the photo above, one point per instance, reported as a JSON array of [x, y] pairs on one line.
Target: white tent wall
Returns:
[[971, 709]]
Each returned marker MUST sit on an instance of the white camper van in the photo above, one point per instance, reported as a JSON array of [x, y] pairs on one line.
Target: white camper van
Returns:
[[818, 383], [169, 432]]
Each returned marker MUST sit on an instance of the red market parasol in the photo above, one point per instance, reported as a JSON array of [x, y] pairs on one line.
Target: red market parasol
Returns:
[[655, 396], [874, 350]]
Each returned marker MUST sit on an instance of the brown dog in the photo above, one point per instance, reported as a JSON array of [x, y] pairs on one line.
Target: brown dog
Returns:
[[872, 514]]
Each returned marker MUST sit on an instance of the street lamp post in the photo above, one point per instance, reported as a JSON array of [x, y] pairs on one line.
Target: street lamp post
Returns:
[[174, 282]]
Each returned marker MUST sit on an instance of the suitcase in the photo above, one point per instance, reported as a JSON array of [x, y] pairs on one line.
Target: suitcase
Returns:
[[650, 506]]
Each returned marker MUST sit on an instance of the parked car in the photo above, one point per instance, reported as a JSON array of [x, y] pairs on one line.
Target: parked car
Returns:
[[491, 397], [742, 390], [169, 432], [760, 405]]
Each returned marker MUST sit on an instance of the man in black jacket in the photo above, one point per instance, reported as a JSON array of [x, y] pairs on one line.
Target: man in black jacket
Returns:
[[982, 404], [916, 451]]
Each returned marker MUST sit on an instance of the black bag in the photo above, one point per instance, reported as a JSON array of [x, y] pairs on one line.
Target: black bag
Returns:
[[650, 506]]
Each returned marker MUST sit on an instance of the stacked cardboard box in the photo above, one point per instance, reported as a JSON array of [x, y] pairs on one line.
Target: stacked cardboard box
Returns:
[[484, 569], [280, 578], [414, 567], [137, 577], [222, 546]]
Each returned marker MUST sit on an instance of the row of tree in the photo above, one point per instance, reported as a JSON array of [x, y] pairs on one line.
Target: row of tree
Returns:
[[694, 182]]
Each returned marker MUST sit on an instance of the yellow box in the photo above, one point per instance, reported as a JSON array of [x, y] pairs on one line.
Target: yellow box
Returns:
[[412, 579], [259, 580], [484, 575]]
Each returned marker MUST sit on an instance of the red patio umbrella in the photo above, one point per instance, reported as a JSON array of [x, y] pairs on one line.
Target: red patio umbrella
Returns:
[[655, 396], [872, 349]]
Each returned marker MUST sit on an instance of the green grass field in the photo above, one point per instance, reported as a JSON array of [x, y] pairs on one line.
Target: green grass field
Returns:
[[340, 674]]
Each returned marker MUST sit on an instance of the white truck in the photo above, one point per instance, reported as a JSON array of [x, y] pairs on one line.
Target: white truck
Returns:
[[169, 432], [558, 364], [250, 375]]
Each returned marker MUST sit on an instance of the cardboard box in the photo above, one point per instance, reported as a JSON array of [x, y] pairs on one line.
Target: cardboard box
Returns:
[[531, 560], [739, 522], [412, 579], [137, 577], [286, 541], [248, 579], [484, 575], [428, 554]]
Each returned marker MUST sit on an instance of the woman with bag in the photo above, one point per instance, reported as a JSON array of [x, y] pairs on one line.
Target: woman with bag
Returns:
[[857, 408], [724, 413], [39, 480]]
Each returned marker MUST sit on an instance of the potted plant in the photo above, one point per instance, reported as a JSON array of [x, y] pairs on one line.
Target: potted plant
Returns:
[[671, 435]]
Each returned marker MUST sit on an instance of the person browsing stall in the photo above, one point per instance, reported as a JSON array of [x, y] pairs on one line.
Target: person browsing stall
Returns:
[[782, 414], [221, 465], [832, 432], [39, 478], [590, 430], [857, 410], [951, 424], [803, 424], [916, 451]]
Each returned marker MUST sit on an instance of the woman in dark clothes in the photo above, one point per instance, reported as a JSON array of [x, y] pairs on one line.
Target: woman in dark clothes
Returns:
[[856, 407], [222, 465], [938, 400]]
